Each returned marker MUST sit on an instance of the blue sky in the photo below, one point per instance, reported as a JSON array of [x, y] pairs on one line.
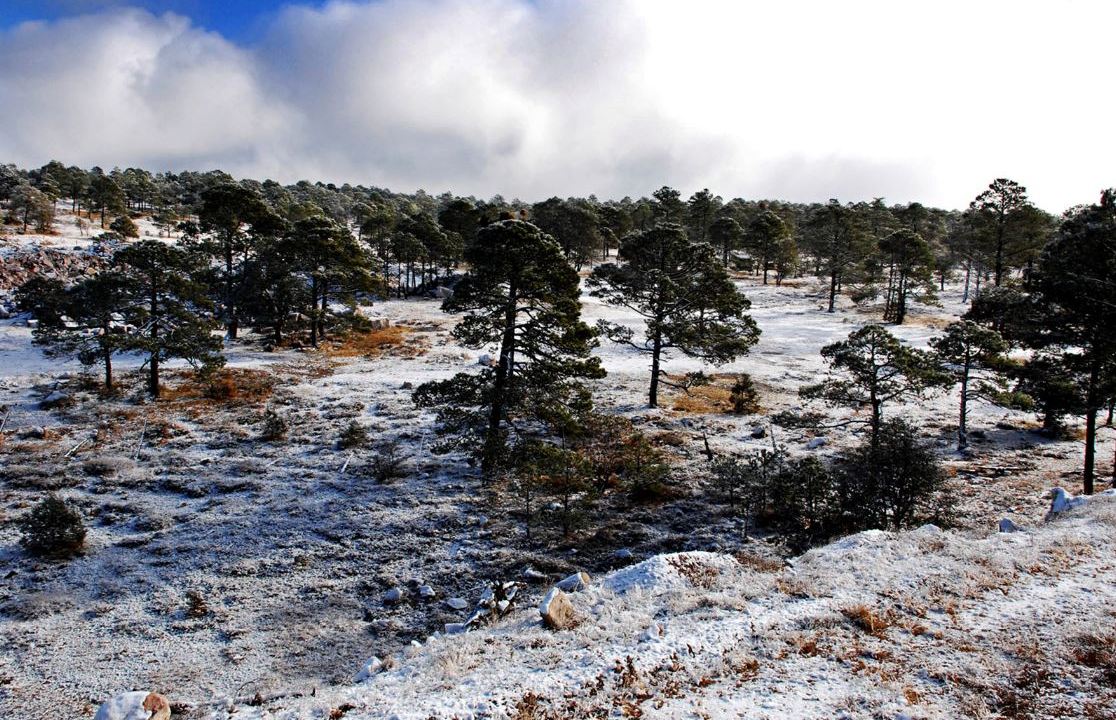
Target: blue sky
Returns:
[[240, 20]]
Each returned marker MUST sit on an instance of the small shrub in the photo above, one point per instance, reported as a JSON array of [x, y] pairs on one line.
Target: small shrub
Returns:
[[196, 606], [124, 226], [52, 528], [274, 426], [743, 396], [354, 435], [388, 463]]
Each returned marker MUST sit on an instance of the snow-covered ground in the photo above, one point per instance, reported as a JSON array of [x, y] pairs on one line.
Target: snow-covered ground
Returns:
[[921, 624], [290, 545]]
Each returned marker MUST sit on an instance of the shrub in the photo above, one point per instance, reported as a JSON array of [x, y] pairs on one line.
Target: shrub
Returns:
[[52, 528], [890, 483], [644, 471], [124, 226], [354, 435], [388, 464], [743, 395], [274, 426]]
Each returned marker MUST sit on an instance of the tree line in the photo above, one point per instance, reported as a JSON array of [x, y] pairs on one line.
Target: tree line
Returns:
[[288, 260]]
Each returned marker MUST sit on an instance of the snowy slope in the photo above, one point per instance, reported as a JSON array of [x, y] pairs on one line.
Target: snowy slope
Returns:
[[922, 624]]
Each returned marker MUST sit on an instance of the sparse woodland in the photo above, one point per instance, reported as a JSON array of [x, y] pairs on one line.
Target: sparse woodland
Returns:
[[440, 374]]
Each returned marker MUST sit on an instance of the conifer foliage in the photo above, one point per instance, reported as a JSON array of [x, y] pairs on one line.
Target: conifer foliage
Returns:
[[521, 297], [683, 293]]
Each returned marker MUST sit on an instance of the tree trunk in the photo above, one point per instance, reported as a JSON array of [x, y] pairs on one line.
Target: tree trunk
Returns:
[[153, 364], [656, 351], [108, 369], [1092, 407], [962, 430], [500, 386], [314, 312], [231, 324], [832, 290]]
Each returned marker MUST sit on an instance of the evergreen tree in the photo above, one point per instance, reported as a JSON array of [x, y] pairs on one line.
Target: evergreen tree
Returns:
[[910, 264], [701, 212], [765, 234], [1076, 284], [886, 482], [574, 226], [331, 262], [964, 350], [88, 325], [1010, 227], [233, 218], [104, 195], [683, 293], [878, 369], [842, 243], [30, 206], [521, 296], [170, 308], [726, 234]]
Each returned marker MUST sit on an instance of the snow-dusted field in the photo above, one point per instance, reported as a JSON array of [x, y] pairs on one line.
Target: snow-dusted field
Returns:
[[290, 546]]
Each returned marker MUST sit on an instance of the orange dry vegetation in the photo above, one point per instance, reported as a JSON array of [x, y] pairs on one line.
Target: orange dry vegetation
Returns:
[[374, 343], [232, 386], [716, 397]]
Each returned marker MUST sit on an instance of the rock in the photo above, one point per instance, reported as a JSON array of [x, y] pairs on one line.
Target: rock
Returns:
[[623, 554], [533, 574], [456, 603], [135, 706], [575, 582], [425, 591], [1007, 526], [759, 431], [393, 596], [370, 668], [557, 611], [487, 361], [55, 399], [815, 443], [456, 628]]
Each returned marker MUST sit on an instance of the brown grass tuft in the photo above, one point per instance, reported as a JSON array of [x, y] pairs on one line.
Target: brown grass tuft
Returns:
[[375, 343]]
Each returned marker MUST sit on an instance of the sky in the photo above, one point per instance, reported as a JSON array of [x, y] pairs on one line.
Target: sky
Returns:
[[802, 100]]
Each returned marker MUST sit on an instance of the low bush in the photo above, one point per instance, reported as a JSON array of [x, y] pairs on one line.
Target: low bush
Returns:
[[354, 435], [52, 528]]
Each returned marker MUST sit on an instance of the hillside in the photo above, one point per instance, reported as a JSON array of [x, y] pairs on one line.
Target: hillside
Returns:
[[920, 624]]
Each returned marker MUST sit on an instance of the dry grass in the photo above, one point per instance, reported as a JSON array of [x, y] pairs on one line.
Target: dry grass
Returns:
[[230, 386], [392, 340], [696, 573], [714, 397], [870, 620]]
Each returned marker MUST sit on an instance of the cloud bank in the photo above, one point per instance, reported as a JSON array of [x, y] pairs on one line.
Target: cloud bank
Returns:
[[532, 98]]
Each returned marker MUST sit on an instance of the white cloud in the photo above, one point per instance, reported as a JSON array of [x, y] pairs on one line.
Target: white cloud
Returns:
[[800, 100]]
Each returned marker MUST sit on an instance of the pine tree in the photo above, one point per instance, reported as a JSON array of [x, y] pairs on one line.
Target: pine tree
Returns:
[[727, 234], [683, 293], [1011, 229], [966, 349], [234, 218], [878, 369], [88, 324], [910, 272], [842, 243], [331, 262], [521, 296], [170, 308], [765, 233], [1075, 281]]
